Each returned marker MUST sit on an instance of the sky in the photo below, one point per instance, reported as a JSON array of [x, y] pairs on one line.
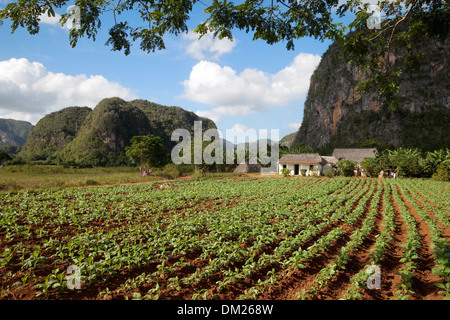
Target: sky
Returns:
[[240, 84]]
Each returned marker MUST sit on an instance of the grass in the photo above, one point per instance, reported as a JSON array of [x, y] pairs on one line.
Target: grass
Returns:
[[16, 178], [27, 177]]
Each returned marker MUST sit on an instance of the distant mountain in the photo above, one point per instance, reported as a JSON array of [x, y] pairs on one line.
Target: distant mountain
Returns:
[[227, 145], [287, 140], [79, 135], [258, 145], [255, 144], [14, 132]]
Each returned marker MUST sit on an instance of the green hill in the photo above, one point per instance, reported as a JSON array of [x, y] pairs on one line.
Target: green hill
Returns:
[[53, 132], [98, 137], [164, 120], [104, 134]]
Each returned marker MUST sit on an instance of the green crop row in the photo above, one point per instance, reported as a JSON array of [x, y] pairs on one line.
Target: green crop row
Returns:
[[188, 233]]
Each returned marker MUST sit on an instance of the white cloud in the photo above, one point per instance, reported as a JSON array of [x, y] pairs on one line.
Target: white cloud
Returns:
[[44, 18], [50, 20], [239, 127], [207, 47], [208, 114], [252, 90], [28, 90], [54, 21], [294, 126]]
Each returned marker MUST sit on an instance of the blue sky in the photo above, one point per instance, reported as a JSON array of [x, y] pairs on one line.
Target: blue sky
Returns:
[[239, 84]]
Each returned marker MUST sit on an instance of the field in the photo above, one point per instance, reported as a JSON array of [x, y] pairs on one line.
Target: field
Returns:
[[37, 177], [233, 237]]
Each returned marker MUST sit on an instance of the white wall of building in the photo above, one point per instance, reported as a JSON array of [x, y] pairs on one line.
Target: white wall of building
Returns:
[[317, 168], [327, 168]]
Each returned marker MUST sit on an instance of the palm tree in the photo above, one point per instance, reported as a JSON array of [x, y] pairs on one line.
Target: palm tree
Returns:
[[433, 159], [404, 152], [407, 162]]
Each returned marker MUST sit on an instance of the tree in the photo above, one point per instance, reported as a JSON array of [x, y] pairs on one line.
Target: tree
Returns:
[[442, 171], [4, 157], [346, 167], [271, 21], [371, 167], [432, 160], [406, 22], [407, 162], [147, 152], [300, 148]]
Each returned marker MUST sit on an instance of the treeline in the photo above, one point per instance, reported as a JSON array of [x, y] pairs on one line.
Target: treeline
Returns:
[[404, 162], [148, 153]]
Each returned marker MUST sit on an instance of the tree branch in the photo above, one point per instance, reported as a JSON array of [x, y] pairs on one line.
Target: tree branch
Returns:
[[393, 31], [114, 11], [388, 26]]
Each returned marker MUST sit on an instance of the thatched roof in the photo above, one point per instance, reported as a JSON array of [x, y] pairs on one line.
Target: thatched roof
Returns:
[[354, 154], [306, 158], [247, 167], [330, 160]]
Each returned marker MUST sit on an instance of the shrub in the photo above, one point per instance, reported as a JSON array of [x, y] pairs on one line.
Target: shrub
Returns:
[[91, 182], [186, 168], [170, 171], [442, 172], [346, 167], [285, 172], [329, 174], [371, 167]]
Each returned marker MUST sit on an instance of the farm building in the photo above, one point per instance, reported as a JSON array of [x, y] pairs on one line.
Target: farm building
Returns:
[[330, 164], [330, 160], [314, 164], [357, 155], [246, 167], [354, 154], [305, 164]]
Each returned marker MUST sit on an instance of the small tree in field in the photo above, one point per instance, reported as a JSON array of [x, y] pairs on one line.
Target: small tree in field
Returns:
[[147, 152]]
